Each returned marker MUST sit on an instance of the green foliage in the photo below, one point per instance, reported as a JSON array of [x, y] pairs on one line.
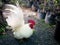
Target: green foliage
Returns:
[[58, 1], [2, 27], [1, 30], [0, 3], [41, 6]]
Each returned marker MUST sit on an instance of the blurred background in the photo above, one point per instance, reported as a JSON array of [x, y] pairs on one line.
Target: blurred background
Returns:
[[46, 13]]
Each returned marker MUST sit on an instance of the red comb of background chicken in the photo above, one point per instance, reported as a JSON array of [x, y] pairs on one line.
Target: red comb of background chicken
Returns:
[[32, 23]]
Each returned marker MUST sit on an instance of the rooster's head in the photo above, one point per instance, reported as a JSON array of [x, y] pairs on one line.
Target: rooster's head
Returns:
[[32, 23]]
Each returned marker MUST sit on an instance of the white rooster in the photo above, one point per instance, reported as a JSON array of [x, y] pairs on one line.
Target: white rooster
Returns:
[[15, 19], [25, 31]]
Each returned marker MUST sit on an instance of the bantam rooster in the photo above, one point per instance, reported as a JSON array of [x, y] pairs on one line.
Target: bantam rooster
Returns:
[[15, 19], [25, 31]]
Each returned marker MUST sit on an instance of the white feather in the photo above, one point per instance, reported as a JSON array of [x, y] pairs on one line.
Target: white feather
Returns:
[[15, 17], [23, 32]]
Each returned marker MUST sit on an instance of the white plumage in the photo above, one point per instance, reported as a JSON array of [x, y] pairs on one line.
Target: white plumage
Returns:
[[23, 32], [15, 19], [14, 15]]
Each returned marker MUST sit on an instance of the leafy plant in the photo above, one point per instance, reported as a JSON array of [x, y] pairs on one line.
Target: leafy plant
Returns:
[[2, 27]]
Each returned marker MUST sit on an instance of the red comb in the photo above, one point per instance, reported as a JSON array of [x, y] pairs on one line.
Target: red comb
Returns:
[[31, 21]]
